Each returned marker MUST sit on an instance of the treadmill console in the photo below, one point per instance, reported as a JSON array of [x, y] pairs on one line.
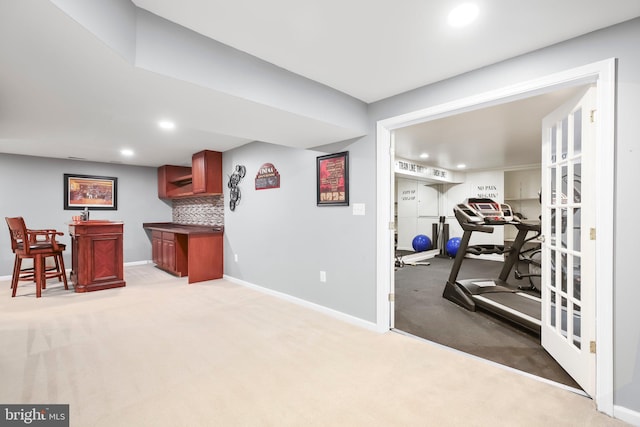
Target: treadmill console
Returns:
[[486, 211], [507, 213]]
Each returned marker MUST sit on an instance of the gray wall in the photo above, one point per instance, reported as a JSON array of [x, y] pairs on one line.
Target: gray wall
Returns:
[[283, 240], [32, 187], [621, 42]]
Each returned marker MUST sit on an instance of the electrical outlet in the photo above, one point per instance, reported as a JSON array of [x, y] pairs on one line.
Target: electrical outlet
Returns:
[[323, 276], [235, 257]]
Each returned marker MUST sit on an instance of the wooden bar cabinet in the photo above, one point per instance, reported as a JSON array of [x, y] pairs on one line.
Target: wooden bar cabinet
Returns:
[[96, 255]]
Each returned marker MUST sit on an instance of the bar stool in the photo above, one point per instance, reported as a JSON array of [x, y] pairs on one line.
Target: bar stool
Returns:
[[36, 245]]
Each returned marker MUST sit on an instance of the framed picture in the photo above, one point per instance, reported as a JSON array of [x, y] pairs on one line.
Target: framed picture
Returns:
[[92, 192], [333, 179]]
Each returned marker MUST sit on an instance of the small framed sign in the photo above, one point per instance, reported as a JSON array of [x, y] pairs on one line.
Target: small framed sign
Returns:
[[333, 179], [92, 192], [267, 177]]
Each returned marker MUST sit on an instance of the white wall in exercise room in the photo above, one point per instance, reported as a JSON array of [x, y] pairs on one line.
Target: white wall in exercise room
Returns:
[[417, 208], [489, 185]]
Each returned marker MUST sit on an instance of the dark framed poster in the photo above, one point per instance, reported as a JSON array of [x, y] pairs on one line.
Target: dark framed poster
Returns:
[[332, 175], [89, 191]]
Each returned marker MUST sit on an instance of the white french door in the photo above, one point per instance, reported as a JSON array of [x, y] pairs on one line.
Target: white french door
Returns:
[[568, 227]]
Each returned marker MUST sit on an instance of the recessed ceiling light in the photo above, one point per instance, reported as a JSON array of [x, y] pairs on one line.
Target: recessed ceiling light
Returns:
[[166, 125], [126, 152], [461, 166], [463, 15], [424, 156]]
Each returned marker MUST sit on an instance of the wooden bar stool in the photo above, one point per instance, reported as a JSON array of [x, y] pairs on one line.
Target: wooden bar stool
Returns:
[[36, 245]]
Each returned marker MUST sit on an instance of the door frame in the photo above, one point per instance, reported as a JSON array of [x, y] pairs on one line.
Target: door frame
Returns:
[[602, 74]]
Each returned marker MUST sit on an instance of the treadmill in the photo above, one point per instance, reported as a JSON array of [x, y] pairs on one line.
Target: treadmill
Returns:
[[493, 295]]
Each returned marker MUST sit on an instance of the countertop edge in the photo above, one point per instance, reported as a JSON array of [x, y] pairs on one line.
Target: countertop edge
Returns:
[[183, 228]]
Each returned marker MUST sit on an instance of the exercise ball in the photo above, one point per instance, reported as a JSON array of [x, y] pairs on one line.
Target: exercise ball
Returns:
[[452, 246], [421, 243]]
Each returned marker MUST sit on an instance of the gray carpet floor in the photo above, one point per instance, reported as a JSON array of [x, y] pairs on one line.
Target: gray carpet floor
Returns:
[[421, 310], [160, 352]]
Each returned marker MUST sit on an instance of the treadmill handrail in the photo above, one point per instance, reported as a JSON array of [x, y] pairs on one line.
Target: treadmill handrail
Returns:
[[470, 226]]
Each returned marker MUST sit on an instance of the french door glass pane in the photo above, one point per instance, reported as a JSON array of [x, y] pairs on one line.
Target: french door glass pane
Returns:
[[563, 277], [563, 230], [565, 137], [577, 132], [552, 317], [576, 229], [577, 273], [553, 185], [565, 183], [552, 152], [577, 326], [563, 318], [577, 182], [553, 269]]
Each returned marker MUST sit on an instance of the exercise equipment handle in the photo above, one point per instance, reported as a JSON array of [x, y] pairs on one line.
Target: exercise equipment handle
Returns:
[[471, 226]]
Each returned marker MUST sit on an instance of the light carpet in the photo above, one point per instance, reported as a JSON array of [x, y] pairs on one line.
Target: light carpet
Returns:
[[161, 352]]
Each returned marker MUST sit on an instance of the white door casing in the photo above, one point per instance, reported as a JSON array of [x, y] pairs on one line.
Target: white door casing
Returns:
[[568, 251], [603, 74]]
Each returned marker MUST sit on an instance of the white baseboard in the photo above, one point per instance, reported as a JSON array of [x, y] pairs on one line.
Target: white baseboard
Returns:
[[313, 306], [328, 311], [143, 262], [626, 415]]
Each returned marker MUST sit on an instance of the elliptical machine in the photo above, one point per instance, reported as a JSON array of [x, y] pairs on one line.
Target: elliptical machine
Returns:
[[531, 258]]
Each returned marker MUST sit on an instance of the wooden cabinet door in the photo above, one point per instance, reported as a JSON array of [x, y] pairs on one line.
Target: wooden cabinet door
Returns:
[[198, 173], [162, 182], [206, 172], [156, 247], [105, 258], [168, 251]]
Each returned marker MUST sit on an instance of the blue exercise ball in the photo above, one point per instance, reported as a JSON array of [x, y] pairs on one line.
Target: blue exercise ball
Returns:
[[452, 246], [421, 243]]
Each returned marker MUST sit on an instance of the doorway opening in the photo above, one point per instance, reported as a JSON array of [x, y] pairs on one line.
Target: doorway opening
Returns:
[[505, 140], [602, 75]]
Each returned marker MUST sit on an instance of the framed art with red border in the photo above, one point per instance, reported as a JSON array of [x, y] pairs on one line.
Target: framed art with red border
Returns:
[[332, 179]]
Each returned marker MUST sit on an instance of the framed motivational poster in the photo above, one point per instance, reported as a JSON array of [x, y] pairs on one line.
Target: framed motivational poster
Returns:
[[333, 179]]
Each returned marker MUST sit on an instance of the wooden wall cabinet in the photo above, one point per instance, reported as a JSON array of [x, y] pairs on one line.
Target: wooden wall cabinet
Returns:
[[174, 181], [96, 255], [207, 172], [203, 178]]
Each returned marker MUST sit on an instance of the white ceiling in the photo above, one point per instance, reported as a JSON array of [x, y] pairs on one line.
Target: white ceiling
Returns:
[[505, 136], [373, 49], [64, 93]]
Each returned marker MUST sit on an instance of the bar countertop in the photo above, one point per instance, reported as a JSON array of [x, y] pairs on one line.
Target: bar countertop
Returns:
[[183, 228]]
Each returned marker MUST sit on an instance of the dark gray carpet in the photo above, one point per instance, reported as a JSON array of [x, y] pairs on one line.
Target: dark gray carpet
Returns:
[[421, 310]]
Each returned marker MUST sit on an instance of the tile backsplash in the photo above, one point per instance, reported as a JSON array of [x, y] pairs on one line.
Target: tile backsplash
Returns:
[[207, 210]]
